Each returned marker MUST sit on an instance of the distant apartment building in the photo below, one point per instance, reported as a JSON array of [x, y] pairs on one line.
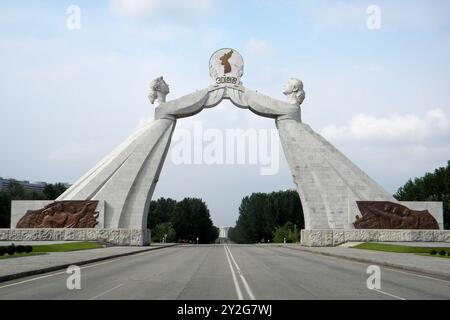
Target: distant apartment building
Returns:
[[223, 232], [3, 183], [223, 235], [36, 186]]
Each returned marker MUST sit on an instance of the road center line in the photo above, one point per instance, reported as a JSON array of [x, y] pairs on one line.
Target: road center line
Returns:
[[236, 283], [107, 291], [247, 287]]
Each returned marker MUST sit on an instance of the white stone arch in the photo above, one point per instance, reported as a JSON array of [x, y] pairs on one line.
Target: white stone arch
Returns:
[[330, 186], [328, 183]]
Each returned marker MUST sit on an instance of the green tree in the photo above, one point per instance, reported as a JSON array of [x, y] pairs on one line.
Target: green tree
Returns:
[[163, 229], [160, 211], [15, 191], [431, 187], [5, 209], [191, 220], [289, 231], [260, 214], [236, 234], [213, 234], [53, 191]]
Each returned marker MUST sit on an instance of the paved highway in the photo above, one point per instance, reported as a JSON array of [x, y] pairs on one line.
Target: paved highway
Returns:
[[227, 272]]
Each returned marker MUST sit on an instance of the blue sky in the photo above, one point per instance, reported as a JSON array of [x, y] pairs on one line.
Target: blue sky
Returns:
[[68, 97]]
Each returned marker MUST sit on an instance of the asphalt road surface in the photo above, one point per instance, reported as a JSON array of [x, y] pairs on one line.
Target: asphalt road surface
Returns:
[[227, 273]]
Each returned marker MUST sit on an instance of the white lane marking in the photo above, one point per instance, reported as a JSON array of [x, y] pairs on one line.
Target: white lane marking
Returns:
[[101, 263], [107, 291], [236, 283], [63, 272], [388, 294], [247, 287], [29, 280], [411, 273], [55, 274], [417, 275]]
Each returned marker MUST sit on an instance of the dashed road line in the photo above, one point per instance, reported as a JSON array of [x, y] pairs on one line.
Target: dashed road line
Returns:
[[388, 294], [106, 292]]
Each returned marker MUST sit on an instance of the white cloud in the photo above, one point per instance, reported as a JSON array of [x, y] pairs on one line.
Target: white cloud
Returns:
[[133, 7], [256, 46], [325, 15], [214, 38], [139, 8], [397, 128], [394, 148]]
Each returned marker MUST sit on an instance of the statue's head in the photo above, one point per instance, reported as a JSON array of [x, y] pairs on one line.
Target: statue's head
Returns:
[[294, 91], [159, 90]]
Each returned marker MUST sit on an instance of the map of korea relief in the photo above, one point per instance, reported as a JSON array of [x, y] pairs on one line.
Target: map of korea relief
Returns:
[[225, 61], [226, 66]]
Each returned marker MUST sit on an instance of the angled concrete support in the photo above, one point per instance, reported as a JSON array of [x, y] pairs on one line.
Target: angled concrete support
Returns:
[[328, 183], [126, 178]]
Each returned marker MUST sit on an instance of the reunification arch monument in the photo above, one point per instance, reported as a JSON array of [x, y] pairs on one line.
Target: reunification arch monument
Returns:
[[340, 202]]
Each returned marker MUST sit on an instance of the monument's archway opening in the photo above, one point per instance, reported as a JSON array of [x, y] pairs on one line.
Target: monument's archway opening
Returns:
[[224, 154]]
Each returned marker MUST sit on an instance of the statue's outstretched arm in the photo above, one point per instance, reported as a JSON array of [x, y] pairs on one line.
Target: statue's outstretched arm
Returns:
[[268, 107], [183, 107], [272, 108], [179, 108], [258, 103]]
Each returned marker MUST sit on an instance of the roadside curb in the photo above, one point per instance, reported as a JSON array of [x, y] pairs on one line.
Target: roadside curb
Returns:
[[80, 263], [440, 275]]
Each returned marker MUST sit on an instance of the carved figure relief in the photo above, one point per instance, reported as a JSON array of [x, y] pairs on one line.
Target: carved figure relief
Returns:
[[62, 214], [389, 215]]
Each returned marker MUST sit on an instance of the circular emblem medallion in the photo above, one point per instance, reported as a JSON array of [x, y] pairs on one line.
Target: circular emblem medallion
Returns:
[[226, 66]]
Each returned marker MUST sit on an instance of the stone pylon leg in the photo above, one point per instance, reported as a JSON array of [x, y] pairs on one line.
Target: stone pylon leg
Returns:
[[126, 178], [328, 183]]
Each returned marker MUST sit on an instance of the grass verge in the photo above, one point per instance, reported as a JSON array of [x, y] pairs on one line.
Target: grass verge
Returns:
[[63, 247], [67, 247], [423, 251]]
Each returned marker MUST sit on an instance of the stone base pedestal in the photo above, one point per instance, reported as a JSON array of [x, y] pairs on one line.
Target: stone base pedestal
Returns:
[[119, 237], [335, 237]]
